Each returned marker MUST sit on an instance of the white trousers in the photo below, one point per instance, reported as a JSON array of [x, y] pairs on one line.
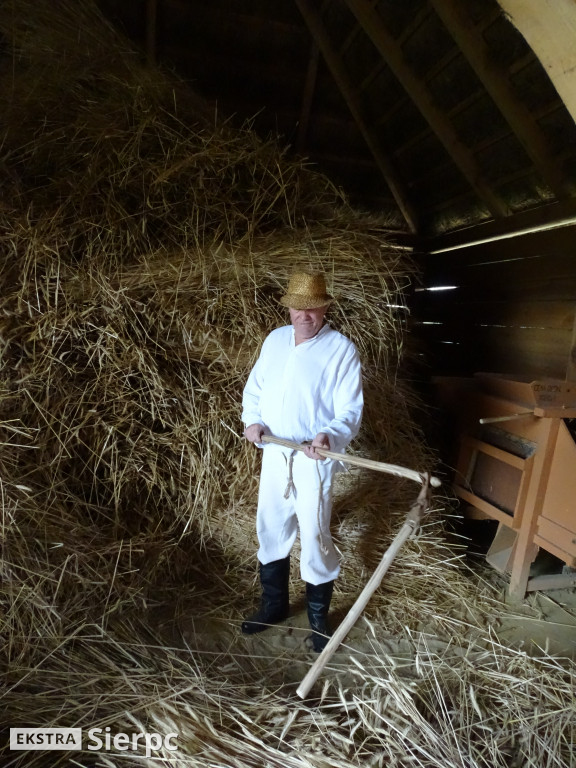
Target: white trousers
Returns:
[[308, 507]]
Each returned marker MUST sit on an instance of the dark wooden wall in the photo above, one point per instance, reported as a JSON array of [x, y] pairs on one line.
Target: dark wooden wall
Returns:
[[513, 309]]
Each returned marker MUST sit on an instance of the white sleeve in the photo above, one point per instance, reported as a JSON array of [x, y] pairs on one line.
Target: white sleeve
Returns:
[[252, 391], [348, 402]]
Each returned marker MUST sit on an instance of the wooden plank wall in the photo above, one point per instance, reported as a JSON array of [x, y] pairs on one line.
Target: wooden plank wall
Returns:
[[512, 310]]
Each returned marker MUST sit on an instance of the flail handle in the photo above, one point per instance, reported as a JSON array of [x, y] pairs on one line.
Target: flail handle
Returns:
[[379, 466]]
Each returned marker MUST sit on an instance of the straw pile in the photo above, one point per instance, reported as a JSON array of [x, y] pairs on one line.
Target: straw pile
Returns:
[[143, 245]]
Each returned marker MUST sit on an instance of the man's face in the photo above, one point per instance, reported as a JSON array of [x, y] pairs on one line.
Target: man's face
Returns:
[[307, 322]]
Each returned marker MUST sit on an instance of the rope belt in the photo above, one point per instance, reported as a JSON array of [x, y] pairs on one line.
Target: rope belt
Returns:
[[291, 489]]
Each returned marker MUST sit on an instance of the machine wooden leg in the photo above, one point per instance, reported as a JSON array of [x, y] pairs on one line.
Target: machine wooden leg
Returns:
[[524, 554]]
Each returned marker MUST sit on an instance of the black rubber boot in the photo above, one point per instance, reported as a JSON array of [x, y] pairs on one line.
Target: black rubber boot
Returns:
[[318, 597], [274, 604]]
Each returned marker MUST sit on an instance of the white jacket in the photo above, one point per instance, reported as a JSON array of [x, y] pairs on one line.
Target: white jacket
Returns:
[[298, 391]]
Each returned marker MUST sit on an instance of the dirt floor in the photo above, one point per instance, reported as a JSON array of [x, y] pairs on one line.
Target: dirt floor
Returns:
[[544, 623], [546, 620]]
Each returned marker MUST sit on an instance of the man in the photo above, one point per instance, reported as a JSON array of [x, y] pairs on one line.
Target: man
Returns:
[[306, 386]]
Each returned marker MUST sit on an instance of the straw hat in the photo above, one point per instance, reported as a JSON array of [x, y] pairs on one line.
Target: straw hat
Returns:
[[306, 291]]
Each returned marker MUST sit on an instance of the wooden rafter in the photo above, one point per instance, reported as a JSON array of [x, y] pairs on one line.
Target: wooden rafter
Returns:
[[551, 216], [549, 27], [151, 14], [369, 18], [307, 97], [353, 100], [419, 18], [454, 17]]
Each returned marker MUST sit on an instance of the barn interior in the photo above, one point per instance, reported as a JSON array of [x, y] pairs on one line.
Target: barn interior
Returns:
[[166, 165]]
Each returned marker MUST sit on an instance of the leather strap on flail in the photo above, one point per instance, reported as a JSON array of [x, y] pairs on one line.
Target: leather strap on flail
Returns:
[[319, 509], [291, 489]]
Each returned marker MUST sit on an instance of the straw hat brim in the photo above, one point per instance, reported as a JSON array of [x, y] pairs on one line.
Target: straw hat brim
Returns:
[[298, 301]]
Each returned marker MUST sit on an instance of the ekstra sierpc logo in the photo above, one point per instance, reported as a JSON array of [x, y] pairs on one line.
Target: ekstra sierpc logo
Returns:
[[98, 739]]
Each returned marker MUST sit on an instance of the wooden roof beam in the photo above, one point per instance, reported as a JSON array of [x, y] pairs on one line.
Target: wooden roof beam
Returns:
[[308, 93], [307, 97], [350, 95], [542, 217], [151, 14], [454, 17], [368, 16], [549, 27], [417, 21]]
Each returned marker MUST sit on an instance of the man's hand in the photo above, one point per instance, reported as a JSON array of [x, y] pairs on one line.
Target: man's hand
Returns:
[[254, 433], [320, 441]]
